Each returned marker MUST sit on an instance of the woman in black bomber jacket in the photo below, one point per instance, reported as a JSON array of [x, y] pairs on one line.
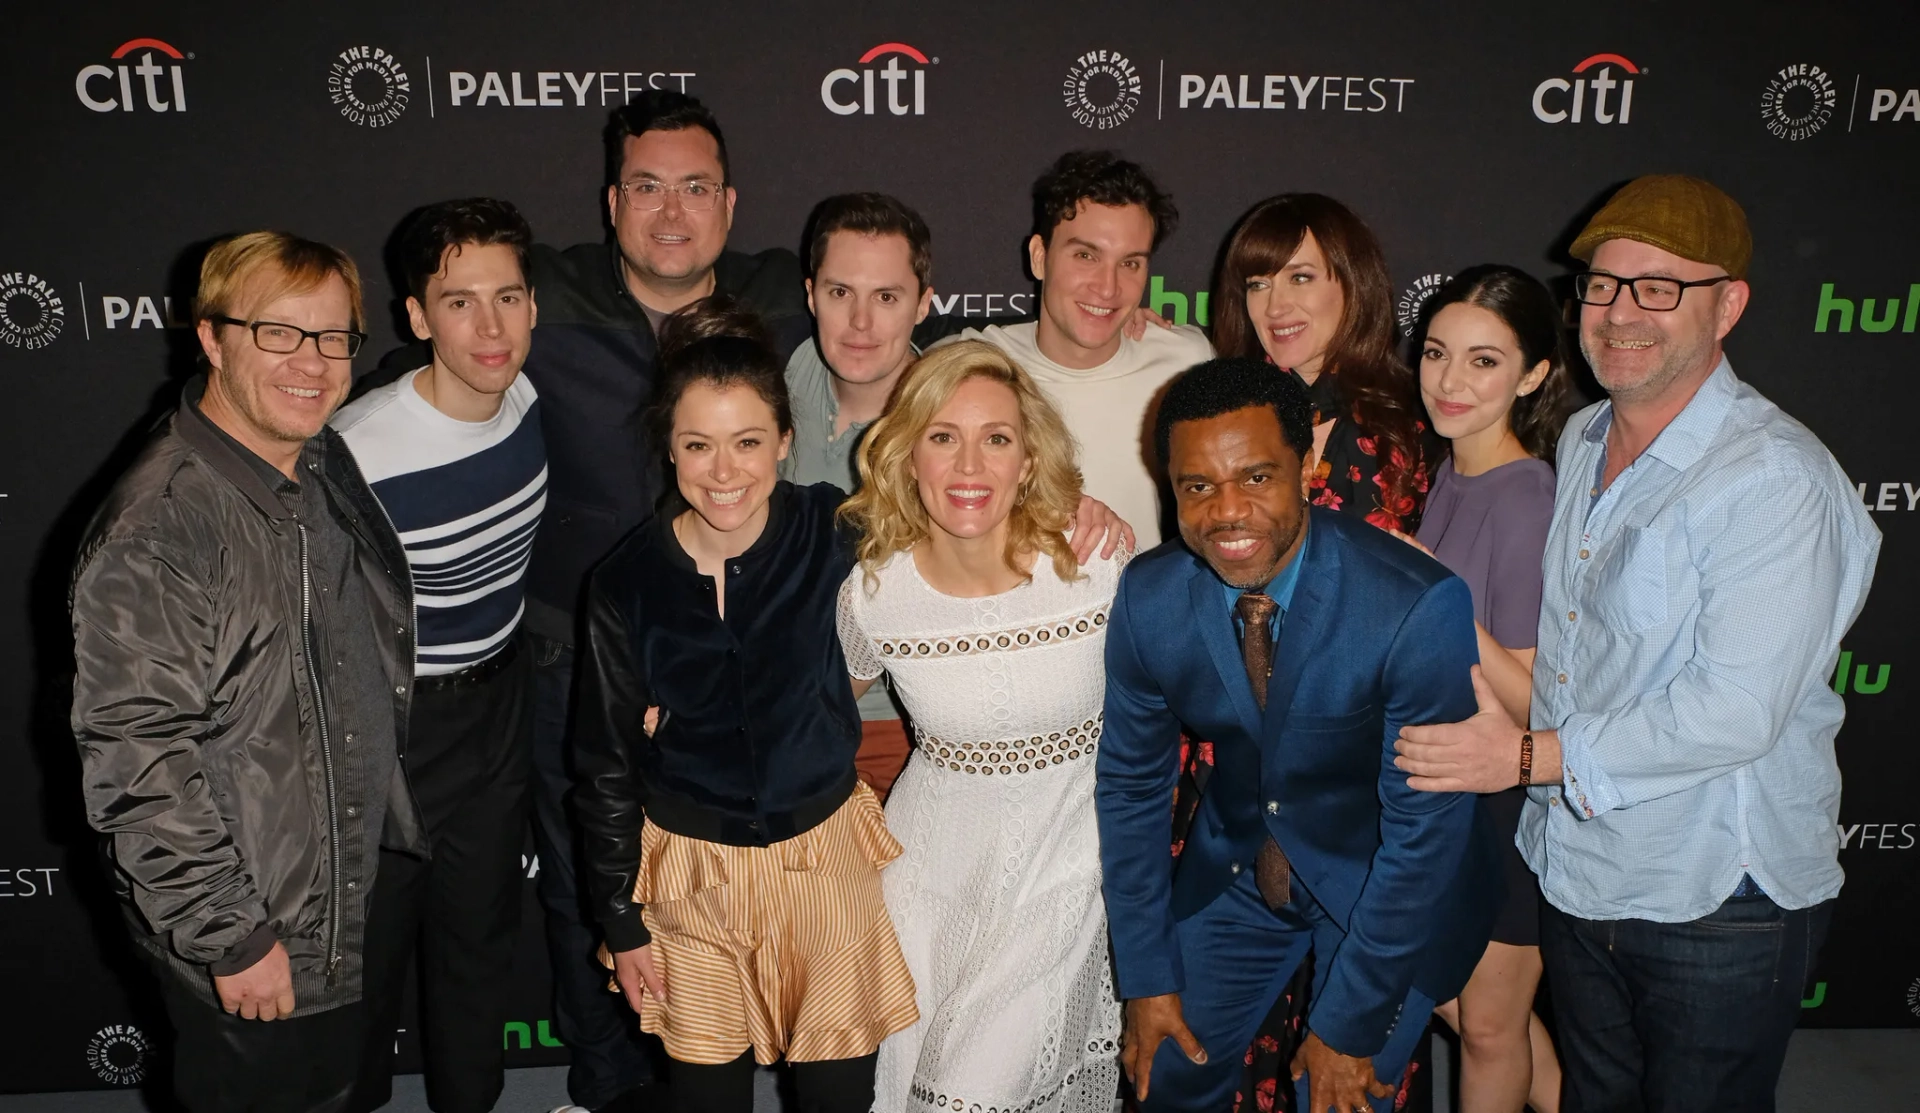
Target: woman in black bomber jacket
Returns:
[[733, 858]]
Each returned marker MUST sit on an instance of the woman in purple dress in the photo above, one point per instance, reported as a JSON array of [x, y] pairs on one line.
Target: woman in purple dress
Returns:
[[1494, 379]]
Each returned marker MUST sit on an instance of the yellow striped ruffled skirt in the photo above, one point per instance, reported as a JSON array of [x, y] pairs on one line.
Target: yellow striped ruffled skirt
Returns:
[[787, 949]]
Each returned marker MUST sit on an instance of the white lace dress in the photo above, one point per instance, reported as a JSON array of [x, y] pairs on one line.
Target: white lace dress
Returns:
[[997, 898]]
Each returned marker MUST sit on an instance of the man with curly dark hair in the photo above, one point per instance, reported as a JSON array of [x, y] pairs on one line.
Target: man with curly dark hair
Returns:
[[1098, 219]]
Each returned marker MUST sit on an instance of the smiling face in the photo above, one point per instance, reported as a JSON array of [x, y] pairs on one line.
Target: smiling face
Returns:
[[726, 447], [1092, 270], [1296, 312], [275, 402], [1471, 370], [865, 300], [669, 252], [971, 459], [1237, 485], [1637, 355], [479, 314]]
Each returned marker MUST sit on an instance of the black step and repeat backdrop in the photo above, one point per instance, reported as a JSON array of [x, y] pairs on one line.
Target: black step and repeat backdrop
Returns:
[[1464, 133]]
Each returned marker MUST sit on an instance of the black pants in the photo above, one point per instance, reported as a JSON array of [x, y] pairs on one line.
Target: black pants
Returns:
[[223, 1064], [827, 1086], [467, 757]]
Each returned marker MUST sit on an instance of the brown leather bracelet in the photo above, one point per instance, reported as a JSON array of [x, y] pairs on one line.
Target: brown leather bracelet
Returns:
[[1526, 758]]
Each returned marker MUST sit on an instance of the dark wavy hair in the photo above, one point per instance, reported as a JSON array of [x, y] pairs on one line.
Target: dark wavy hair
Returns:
[[718, 341], [475, 220], [870, 214], [1098, 178], [1528, 308], [1381, 391]]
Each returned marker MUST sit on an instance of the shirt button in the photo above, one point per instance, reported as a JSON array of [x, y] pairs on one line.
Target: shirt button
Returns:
[[352, 812], [1553, 801], [1562, 678], [349, 736], [1570, 616], [736, 570], [1234, 866], [1584, 554], [352, 885], [1273, 807], [1593, 492], [401, 690]]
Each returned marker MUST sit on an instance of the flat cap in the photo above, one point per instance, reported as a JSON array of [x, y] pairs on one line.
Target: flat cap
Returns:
[[1691, 217]]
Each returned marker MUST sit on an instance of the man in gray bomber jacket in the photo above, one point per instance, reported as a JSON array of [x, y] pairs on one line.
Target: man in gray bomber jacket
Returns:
[[243, 629]]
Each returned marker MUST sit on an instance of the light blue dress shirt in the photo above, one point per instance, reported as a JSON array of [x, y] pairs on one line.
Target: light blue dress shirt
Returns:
[[1691, 619]]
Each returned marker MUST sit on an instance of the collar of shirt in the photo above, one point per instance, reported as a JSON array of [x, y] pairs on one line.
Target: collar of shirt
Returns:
[[813, 379], [1687, 437], [275, 479], [1279, 588]]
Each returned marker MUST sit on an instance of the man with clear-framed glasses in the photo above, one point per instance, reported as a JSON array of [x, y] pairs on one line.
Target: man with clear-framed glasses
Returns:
[[244, 673], [1706, 556]]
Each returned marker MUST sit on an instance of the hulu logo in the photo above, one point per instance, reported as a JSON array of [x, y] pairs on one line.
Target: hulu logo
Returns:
[[1161, 300], [1861, 685], [1831, 307], [1819, 997], [525, 1034]]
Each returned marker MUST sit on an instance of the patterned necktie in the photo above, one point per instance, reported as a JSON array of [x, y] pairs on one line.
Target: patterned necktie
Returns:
[[1256, 610]]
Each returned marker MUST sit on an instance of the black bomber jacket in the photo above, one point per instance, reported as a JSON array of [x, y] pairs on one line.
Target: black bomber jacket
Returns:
[[758, 725]]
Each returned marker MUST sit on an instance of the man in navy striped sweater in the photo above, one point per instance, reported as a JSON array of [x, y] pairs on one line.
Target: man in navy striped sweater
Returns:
[[453, 450]]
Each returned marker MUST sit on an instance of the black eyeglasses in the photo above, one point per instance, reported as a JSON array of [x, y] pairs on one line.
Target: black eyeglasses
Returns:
[[280, 339], [1652, 293]]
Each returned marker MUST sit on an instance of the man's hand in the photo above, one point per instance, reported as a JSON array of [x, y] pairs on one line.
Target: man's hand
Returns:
[[637, 975], [1139, 319], [263, 991], [1481, 754], [1150, 1020], [1338, 1082], [1094, 521]]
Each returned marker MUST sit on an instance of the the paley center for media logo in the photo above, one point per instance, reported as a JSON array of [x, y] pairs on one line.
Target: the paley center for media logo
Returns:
[[1102, 89], [849, 92], [369, 86], [138, 81], [32, 313]]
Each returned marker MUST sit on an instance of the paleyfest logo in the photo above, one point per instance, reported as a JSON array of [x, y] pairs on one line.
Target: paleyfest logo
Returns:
[[1102, 89], [119, 1054], [31, 312], [369, 86], [1414, 298], [1798, 101]]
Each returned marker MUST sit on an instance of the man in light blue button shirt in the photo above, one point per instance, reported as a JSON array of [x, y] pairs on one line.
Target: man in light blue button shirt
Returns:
[[1707, 555]]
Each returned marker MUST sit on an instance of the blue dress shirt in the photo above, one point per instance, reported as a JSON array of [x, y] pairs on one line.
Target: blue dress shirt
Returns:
[[1692, 615]]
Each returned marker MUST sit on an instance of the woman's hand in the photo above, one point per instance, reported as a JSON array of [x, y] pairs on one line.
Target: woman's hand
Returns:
[[638, 976], [651, 721]]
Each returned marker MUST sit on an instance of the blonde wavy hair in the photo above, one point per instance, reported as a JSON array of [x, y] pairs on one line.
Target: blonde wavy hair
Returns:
[[887, 511]]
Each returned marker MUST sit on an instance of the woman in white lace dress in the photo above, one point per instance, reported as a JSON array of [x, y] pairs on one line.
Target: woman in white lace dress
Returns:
[[968, 595]]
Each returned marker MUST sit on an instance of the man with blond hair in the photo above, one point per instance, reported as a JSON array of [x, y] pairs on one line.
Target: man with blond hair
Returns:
[[244, 668]]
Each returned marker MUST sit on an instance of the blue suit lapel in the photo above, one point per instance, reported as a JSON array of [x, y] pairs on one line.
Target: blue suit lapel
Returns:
[[1308, 623], [1216, 630]]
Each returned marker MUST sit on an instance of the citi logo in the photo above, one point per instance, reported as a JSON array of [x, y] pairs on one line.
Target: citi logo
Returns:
[[112, 88], [1839, 311], [861, 96], [1573, 94]]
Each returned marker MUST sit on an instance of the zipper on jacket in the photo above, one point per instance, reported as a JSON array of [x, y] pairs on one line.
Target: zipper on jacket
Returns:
[[326, 757]]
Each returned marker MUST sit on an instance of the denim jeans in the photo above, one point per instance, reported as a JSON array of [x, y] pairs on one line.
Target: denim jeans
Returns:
[[1679, 1017], [610, 1053]]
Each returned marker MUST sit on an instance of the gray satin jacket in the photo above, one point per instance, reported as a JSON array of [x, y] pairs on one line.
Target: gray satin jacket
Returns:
[[203, 731]]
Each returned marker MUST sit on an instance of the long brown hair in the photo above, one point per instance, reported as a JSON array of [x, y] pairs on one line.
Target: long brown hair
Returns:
[[1376, 385]]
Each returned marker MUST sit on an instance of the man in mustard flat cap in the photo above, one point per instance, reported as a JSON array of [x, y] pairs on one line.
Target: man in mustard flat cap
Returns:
[[1706, 556]]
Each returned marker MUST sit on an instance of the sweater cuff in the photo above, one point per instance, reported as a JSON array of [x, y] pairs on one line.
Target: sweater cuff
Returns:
[[249, 951], [628, 932]]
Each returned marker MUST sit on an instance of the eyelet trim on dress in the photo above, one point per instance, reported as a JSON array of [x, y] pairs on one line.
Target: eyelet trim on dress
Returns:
[[1015, 755], [1000, 641]]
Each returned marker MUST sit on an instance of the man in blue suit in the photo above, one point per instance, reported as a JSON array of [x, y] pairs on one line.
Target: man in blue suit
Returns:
[[1298, 642]]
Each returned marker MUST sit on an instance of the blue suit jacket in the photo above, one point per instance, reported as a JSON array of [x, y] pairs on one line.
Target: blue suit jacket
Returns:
[[1379, 635]]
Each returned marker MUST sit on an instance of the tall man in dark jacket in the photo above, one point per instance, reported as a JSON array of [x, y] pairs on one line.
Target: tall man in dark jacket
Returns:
[[670, 202], [243, 631]]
